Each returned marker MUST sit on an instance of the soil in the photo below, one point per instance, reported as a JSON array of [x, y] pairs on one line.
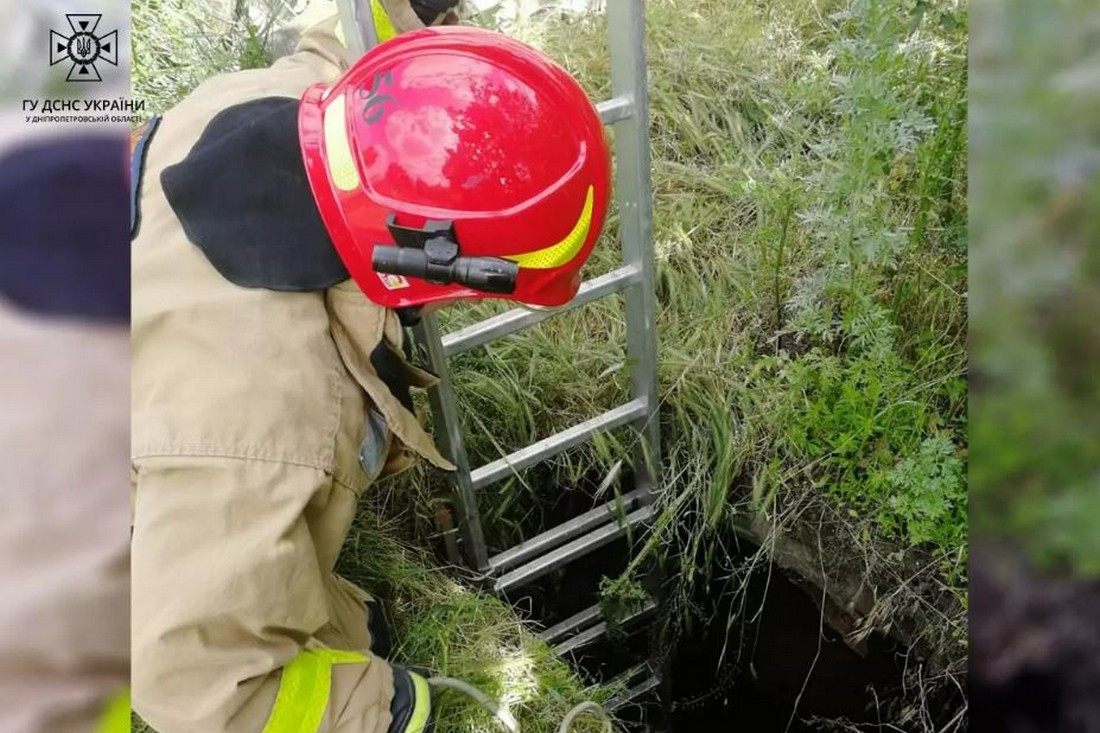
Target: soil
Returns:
[[870, 586]]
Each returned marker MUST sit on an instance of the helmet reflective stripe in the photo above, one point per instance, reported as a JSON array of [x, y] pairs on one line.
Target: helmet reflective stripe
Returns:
[[564, 251], [341, 163], [304, 690]]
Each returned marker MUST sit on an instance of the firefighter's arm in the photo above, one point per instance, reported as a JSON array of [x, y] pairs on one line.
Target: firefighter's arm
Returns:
[[233, 629]]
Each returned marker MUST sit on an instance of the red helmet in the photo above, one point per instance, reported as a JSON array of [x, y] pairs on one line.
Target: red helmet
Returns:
[[457, 162]]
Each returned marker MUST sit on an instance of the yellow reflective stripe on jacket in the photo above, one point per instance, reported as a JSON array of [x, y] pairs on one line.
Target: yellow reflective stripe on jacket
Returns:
[[423, 707], [116, 716], [304, 690], [383, 26]]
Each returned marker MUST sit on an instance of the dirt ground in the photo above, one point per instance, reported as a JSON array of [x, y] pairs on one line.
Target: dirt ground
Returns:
[[1035, 648]]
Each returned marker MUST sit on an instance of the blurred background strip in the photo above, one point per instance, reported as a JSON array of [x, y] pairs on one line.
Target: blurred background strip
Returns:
[[1035, 353], [64, 369]]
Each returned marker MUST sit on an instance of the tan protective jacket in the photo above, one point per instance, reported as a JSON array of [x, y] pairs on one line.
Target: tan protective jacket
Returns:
[[248, 417]]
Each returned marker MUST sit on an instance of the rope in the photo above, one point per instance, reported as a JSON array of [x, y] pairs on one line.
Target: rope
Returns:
[[506, 719]]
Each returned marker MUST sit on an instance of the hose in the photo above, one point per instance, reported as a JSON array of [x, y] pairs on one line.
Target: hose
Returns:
[[495, 709], [506, 719], [585, 707]]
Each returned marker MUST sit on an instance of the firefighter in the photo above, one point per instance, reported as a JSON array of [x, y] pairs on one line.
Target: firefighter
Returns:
[[287, 223]]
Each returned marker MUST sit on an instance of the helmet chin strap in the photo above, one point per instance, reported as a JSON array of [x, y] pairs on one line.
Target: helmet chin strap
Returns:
[[432, 12], [409, 317]]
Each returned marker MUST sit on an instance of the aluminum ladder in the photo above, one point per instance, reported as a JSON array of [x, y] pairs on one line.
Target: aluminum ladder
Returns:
[[628, 112]]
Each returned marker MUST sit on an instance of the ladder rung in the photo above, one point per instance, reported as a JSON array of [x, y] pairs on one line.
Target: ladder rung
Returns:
[[548, 447], [564, 554], [650, 684], [592, 634], [580, 620], [584, 638], [633, 673], [564, 532], [615, 110], [517, 319]]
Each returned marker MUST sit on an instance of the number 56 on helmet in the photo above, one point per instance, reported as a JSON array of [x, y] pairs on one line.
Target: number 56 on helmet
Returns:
[[456, 162]]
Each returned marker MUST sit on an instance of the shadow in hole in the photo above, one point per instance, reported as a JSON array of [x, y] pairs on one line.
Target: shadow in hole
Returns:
[[779, 670]]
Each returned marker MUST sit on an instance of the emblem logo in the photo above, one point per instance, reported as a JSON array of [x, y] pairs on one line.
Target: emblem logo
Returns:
[[84, 48]]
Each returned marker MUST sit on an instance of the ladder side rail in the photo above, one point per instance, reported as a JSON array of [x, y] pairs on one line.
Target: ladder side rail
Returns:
[[448, 429], [626, 30], [357, 21]]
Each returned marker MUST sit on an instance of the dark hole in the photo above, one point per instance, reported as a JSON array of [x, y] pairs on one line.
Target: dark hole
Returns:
[[774, 667], [781, 667], [1030, 702]]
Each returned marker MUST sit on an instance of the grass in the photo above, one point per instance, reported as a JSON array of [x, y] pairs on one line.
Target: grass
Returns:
[[179, 43], [445, 626], [810, 181]]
